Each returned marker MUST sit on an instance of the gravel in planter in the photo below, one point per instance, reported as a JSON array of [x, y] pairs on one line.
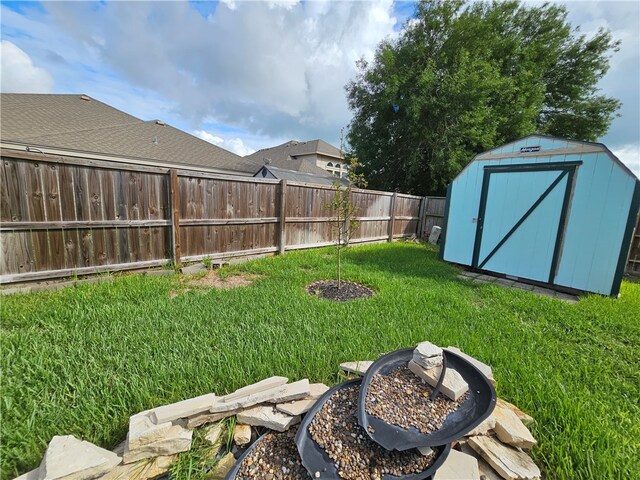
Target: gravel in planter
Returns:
[[348, 291], [275, 457], [401, 398], [356, 457]]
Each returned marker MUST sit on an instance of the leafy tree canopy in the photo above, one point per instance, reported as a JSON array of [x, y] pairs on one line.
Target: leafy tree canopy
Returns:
[[465, 77]]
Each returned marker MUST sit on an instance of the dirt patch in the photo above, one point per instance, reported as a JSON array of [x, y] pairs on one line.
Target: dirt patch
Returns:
[[213, 280], [348, 290]]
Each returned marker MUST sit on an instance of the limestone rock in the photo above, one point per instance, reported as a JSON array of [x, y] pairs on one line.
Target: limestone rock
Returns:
[[203, 418], [183, 409], [213, 434], [458, 466], [427, 355], [510, 463], [261, 392], [483, 467], [176, 440], [142, 430], [262, 385], [141, 470], [524, 417], [298, 407], [316, 390], [453, 385], [425, 450], [483, 367], [269, 417], [224, 466], [484, 428], [195, 268], [293, 391], [68, 458], [511, 430], [32, 475], [242, 434], [358, 368]]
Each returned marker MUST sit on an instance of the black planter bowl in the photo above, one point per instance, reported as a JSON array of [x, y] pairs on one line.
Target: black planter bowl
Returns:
[[236, 468], [315, 459], [479, 405]]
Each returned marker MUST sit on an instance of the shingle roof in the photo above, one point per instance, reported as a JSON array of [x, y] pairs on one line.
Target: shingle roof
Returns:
[[292, 149], [78, 123], [298, 165], [297, 176]]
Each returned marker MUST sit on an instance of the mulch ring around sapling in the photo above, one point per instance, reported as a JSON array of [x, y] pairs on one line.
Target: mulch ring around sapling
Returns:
[[336, 430], [275, 457], [348, 290], [401, 398]]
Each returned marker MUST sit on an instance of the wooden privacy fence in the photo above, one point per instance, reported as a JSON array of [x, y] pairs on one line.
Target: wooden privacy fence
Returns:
[[63, 216], [432, 214]]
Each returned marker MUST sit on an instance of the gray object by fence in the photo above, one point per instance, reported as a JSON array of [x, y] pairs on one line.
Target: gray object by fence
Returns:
[[434, 236]]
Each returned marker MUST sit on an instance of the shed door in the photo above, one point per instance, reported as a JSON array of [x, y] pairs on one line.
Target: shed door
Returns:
[[521, 219]]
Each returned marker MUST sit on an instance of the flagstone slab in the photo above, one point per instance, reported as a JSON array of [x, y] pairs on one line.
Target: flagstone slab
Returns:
[[453, 385], [183, 409], [458, 466], [267, 416], [68, 458], [316, 390], [177, 440], [298, 407], [510, 463], [357, 368], [483, 367], [510, 429]]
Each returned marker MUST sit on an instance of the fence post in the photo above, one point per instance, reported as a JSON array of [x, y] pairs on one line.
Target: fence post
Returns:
[[392, 220], [423, 209], [283, 217], [174, 198]]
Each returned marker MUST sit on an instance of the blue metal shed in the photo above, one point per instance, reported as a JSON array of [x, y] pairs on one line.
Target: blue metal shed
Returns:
[[546, 210]]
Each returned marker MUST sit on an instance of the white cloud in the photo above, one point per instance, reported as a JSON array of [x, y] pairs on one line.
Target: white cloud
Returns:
[[630, 156], [235, 145], [231, 4], [19, 74], [273, 70]]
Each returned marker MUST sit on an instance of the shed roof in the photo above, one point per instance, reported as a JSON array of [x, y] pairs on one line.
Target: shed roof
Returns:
[[81, 124], [549, 145]]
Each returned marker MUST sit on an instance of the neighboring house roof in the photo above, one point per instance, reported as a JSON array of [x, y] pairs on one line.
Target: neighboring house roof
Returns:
[[299, 165], [80, 124], [269, 171], [293, 149]]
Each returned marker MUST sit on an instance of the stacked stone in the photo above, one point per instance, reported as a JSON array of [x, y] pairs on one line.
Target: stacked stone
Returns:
[[495, 449], [157, 436]]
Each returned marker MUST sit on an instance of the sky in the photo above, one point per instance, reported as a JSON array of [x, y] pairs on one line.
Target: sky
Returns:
[[246, 75]]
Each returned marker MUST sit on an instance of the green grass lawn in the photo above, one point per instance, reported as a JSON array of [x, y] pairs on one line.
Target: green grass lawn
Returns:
[[81, 361]]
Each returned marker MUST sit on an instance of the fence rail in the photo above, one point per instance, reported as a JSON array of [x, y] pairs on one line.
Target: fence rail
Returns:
[[62, 216]]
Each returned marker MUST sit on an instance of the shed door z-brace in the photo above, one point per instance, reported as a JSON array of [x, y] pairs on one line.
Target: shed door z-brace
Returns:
[[522, 218]]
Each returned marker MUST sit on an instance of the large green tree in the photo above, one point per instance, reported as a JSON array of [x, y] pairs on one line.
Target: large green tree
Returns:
[[465, 77]]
